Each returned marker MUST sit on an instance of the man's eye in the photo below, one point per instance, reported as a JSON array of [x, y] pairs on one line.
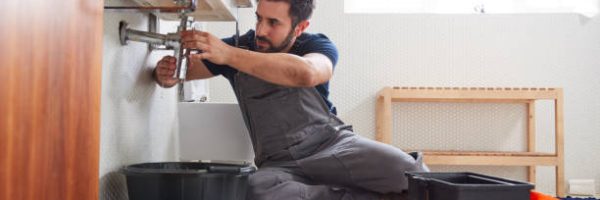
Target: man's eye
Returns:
[[273, 22]]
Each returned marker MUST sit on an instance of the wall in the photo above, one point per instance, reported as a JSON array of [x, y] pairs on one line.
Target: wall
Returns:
[[139, 119], [524, 50]]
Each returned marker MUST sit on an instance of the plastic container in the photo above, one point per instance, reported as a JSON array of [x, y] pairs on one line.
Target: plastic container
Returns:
[[187, 181], [464, 186]]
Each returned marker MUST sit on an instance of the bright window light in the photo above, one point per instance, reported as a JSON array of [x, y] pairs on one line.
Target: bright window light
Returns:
[[588, 8], [383, 6]]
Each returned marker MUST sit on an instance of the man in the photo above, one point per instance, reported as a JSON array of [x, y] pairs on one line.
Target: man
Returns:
[[302, 149]]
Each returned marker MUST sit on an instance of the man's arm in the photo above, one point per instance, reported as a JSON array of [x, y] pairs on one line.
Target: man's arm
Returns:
[[279, 68], [197, 70], [284, 69], [165, 69]]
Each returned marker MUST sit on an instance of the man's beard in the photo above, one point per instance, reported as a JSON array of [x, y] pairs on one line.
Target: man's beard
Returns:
[[272, 48]]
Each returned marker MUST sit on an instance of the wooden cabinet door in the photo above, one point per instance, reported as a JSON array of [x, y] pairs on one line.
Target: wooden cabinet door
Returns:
[[50, 78]]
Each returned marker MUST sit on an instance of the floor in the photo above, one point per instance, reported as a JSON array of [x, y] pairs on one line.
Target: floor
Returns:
[[575, 198]]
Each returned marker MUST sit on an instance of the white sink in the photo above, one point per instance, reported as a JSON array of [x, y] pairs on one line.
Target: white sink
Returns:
[[213, 131]]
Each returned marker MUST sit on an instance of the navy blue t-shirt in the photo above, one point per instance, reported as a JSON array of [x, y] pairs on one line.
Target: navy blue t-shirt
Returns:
[[305, 44]]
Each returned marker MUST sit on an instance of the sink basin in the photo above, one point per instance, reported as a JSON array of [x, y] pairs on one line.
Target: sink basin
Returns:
[[213, 131]]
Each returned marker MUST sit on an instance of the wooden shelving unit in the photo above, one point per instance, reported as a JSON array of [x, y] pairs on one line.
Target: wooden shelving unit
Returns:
[[528, 96]]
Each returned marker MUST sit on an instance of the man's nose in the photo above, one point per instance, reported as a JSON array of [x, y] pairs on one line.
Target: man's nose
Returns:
[[261, 29]]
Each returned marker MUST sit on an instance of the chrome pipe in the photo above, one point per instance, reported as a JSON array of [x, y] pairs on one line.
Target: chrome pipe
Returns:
[[170, 41], [180, 53], [143, 36]]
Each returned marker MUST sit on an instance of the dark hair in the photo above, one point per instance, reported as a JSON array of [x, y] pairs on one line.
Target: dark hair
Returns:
[[300, 10]]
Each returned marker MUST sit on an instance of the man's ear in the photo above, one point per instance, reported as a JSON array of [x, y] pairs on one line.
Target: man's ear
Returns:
[[301, 27]]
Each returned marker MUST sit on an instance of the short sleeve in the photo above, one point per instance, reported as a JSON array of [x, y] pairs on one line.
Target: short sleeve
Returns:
[[319, 43]]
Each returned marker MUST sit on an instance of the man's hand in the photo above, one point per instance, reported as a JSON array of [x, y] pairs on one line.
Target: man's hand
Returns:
[[164, 71], [211, 47]]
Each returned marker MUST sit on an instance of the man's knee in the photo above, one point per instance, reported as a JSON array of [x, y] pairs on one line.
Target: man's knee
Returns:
[[400, 166]]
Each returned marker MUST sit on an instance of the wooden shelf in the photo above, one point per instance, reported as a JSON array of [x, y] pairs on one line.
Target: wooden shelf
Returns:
[[484, 153], [527, 96], [490, 158], [473, 94]]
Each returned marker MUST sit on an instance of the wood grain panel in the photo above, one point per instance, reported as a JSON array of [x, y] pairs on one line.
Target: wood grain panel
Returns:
[[50, 98]]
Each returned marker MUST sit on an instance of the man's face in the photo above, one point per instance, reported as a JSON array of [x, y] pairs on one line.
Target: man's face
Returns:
[[274, 31]]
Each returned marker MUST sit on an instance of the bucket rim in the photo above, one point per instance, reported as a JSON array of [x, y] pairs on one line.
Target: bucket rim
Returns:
[[197, 168]]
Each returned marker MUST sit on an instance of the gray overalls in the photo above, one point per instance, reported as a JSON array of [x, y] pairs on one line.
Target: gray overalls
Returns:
[[305, 152]]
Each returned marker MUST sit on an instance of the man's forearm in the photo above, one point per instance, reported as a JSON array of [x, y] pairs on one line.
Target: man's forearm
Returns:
[[197, 70], [278, 68]]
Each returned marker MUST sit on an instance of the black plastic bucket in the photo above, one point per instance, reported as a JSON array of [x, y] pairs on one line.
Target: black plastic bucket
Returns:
[[464, 186], [187, 181]]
